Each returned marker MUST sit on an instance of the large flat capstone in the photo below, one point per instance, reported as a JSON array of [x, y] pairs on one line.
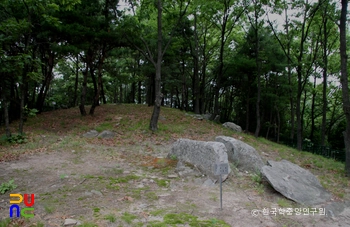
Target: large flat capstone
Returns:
[[241, 154], [295, 183], [201, 154]]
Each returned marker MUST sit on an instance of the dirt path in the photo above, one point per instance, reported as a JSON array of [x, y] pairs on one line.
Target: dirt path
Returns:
[[129, 186]]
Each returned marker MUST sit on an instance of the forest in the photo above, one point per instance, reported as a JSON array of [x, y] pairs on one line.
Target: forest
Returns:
[[272, 67]]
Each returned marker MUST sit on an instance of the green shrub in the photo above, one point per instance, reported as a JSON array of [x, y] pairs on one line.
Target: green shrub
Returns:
[[4, 187], [17, 138]]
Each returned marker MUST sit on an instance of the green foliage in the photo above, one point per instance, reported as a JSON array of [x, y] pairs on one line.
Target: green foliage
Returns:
[[128, 218], [183, 218], [173, 157], [4, 187], [257, 178], [111, 218], [5, 222], [162, 182], [30, 112], [17, 138]]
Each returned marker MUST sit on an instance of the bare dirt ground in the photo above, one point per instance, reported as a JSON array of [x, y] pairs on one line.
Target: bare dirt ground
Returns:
[[99, 184], [67, 184]]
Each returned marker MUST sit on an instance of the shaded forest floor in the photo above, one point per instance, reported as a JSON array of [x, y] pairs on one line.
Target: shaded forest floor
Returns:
[[126, 180]]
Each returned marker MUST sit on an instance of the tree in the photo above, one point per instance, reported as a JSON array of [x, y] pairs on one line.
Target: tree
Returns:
[[344, 82], [227, 14], [160, 51]]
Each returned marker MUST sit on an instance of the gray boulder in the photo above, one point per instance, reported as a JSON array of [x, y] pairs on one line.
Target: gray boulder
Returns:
[[203, 155], [106, 134], [91, 134], [295, 183], [232, 126], [245, 157]]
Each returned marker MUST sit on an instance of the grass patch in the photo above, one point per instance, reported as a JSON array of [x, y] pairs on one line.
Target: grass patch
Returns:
[[284, 203], [158, 212], [111, 218], [88, 224], [257, 178], [162, 183], [49, 209], [5, 222], [128, 218], [124, 179], [187, 219], [151, 196], [104, 126], [7, 186]]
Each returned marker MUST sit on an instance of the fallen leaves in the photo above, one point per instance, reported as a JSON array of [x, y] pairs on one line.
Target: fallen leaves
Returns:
[[126, 198]]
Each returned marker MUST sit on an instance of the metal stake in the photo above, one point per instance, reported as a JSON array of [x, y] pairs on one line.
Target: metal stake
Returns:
[[220, 191]]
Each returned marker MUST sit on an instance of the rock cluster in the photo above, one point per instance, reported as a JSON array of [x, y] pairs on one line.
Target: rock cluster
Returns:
[[289, 179]]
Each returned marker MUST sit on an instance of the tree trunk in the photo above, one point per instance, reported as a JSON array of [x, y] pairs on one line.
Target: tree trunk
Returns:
[[313, 111], [221, 67], [291, 95], [325, 70], [139, 94], [300, 85], [6, 115], [103, 93], [47, 71], [24, 88], [159, 95], [195, 70], [247, 112], [83, 92], [75, 95], [257, 62], [96, 101], [344, 82], [121, 93], [132, 93], [202, 99], [278, 125]]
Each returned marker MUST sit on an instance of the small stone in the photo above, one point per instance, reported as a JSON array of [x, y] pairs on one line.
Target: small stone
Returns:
[[70, 222], [232, 126], [143, 206], [126, 172], [91, 134], [106, 134], [140, 186], [164, 195], [197, 181], [208, 183], [172, 176], [73, 151], [265, 154], [88, 194], [96, 192]]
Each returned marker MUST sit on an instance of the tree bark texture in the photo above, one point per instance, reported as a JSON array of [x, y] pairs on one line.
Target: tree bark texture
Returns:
[[345, 83], [159, 96]]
